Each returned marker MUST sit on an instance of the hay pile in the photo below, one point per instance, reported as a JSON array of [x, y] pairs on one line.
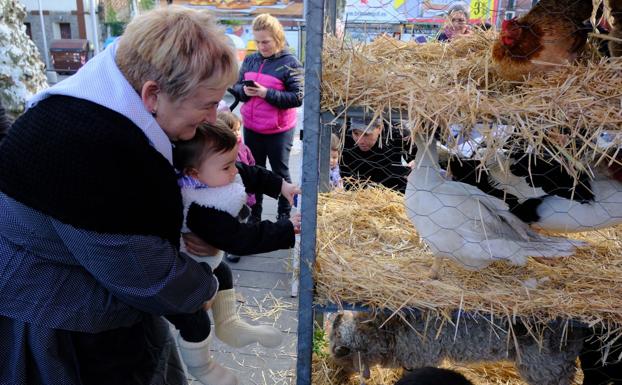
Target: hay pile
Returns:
[[369, 253], [325, 372], [435, 85]]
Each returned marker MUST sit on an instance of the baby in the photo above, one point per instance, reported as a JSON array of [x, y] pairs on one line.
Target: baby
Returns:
[[214, 189]]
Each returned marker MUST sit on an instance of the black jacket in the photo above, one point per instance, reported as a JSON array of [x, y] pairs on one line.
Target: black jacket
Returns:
[[382, 164], [223, 231]]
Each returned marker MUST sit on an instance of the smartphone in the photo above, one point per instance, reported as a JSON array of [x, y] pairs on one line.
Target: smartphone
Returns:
[[249, 83]]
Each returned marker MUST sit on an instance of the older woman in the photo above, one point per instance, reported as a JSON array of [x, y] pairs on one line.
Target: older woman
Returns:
[[457, 25], [90, 210], [270, 84]]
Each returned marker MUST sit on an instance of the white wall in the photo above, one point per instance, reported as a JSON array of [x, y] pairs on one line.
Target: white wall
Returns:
[[50, 5]]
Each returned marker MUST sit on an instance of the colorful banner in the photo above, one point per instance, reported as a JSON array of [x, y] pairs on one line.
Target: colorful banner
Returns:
[[415, 11]]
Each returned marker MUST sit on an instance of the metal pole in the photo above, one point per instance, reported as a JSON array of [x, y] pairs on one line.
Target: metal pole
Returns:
[[332, 16], [45, 40], [94, 25], [314, 24], [134, 9]]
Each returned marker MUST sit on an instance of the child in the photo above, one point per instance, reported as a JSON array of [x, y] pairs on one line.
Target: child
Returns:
[[244, 153], [335, 175], [213, 193], [245, 156]]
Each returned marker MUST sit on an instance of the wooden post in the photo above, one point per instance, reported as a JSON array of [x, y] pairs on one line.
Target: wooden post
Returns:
[[81, 23]]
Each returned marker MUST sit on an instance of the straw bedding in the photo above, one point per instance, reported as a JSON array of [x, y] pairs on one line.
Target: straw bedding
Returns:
[[435, 85], [325, 372], [369, 253]]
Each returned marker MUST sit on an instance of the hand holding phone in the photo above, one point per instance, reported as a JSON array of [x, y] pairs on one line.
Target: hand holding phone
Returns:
[[249, 83]]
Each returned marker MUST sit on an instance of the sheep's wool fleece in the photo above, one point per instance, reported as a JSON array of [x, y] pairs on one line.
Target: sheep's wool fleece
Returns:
[[229, 198]]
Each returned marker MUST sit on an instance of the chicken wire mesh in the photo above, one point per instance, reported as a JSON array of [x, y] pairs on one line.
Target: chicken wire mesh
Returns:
[[413, 20], [457, 224], [474, 188]]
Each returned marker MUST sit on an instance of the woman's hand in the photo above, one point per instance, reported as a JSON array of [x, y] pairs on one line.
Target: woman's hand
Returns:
[[197, 246], [259, 91], [288, 191]]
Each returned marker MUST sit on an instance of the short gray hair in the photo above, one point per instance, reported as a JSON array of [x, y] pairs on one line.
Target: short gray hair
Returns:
[[178, 48]]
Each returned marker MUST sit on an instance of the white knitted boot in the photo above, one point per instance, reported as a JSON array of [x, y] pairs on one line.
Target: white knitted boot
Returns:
[[196, 356], [231, 330]]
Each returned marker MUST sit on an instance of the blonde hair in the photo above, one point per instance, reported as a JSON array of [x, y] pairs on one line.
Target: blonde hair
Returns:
[[231, 120], [335, 143], [178, 48], [267, 22]]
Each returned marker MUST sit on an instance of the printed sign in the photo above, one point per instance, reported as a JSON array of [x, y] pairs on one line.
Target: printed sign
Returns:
[[415, 11]]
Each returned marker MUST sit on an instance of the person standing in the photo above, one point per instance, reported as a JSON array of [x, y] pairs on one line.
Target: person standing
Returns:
[[457, 25], [270, 85], [91, 212], [375, 152]]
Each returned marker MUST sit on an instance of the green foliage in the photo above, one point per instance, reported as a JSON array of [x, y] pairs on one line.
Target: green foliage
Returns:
[[145, 5], [112, 20], [111, 15], [320, 345], [233, 22], [116, 28]]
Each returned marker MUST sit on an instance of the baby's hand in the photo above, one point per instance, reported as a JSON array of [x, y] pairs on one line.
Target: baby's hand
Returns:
[[288, 191], [295, 220]]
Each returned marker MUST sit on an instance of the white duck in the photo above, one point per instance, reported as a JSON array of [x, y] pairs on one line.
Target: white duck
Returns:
[[546, 196], [460, 222]]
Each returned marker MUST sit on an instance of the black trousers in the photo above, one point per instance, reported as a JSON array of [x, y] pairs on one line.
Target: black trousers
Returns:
[[276, 148], [594, 372], [196, 327]]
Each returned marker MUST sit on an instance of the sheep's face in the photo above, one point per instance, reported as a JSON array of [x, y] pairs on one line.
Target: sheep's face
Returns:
[[343, 345]]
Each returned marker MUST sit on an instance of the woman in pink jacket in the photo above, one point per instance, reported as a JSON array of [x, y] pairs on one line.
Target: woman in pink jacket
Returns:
[[270, 85]]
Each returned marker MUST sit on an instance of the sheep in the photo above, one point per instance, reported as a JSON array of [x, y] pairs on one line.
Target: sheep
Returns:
[[358, 342]]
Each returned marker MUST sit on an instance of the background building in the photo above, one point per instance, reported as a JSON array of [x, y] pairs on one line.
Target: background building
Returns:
[[63, 19]]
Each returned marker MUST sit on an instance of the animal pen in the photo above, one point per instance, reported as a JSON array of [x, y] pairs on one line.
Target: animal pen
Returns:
[[359, 250]]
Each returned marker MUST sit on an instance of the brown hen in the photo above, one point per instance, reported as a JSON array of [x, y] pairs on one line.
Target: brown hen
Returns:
[[615, 46], [551, 34]]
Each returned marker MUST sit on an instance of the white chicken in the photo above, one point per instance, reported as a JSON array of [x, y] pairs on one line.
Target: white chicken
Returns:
[[462, 223]]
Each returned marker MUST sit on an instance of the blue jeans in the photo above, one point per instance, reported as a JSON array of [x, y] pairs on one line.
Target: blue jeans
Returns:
[[276, 148]]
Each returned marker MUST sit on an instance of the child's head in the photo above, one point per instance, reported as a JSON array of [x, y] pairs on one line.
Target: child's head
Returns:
[[335, 148], [210, 156], [232, 121]]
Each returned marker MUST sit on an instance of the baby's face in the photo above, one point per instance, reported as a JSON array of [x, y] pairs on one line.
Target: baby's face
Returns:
[[334, 158], [218, 169]]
